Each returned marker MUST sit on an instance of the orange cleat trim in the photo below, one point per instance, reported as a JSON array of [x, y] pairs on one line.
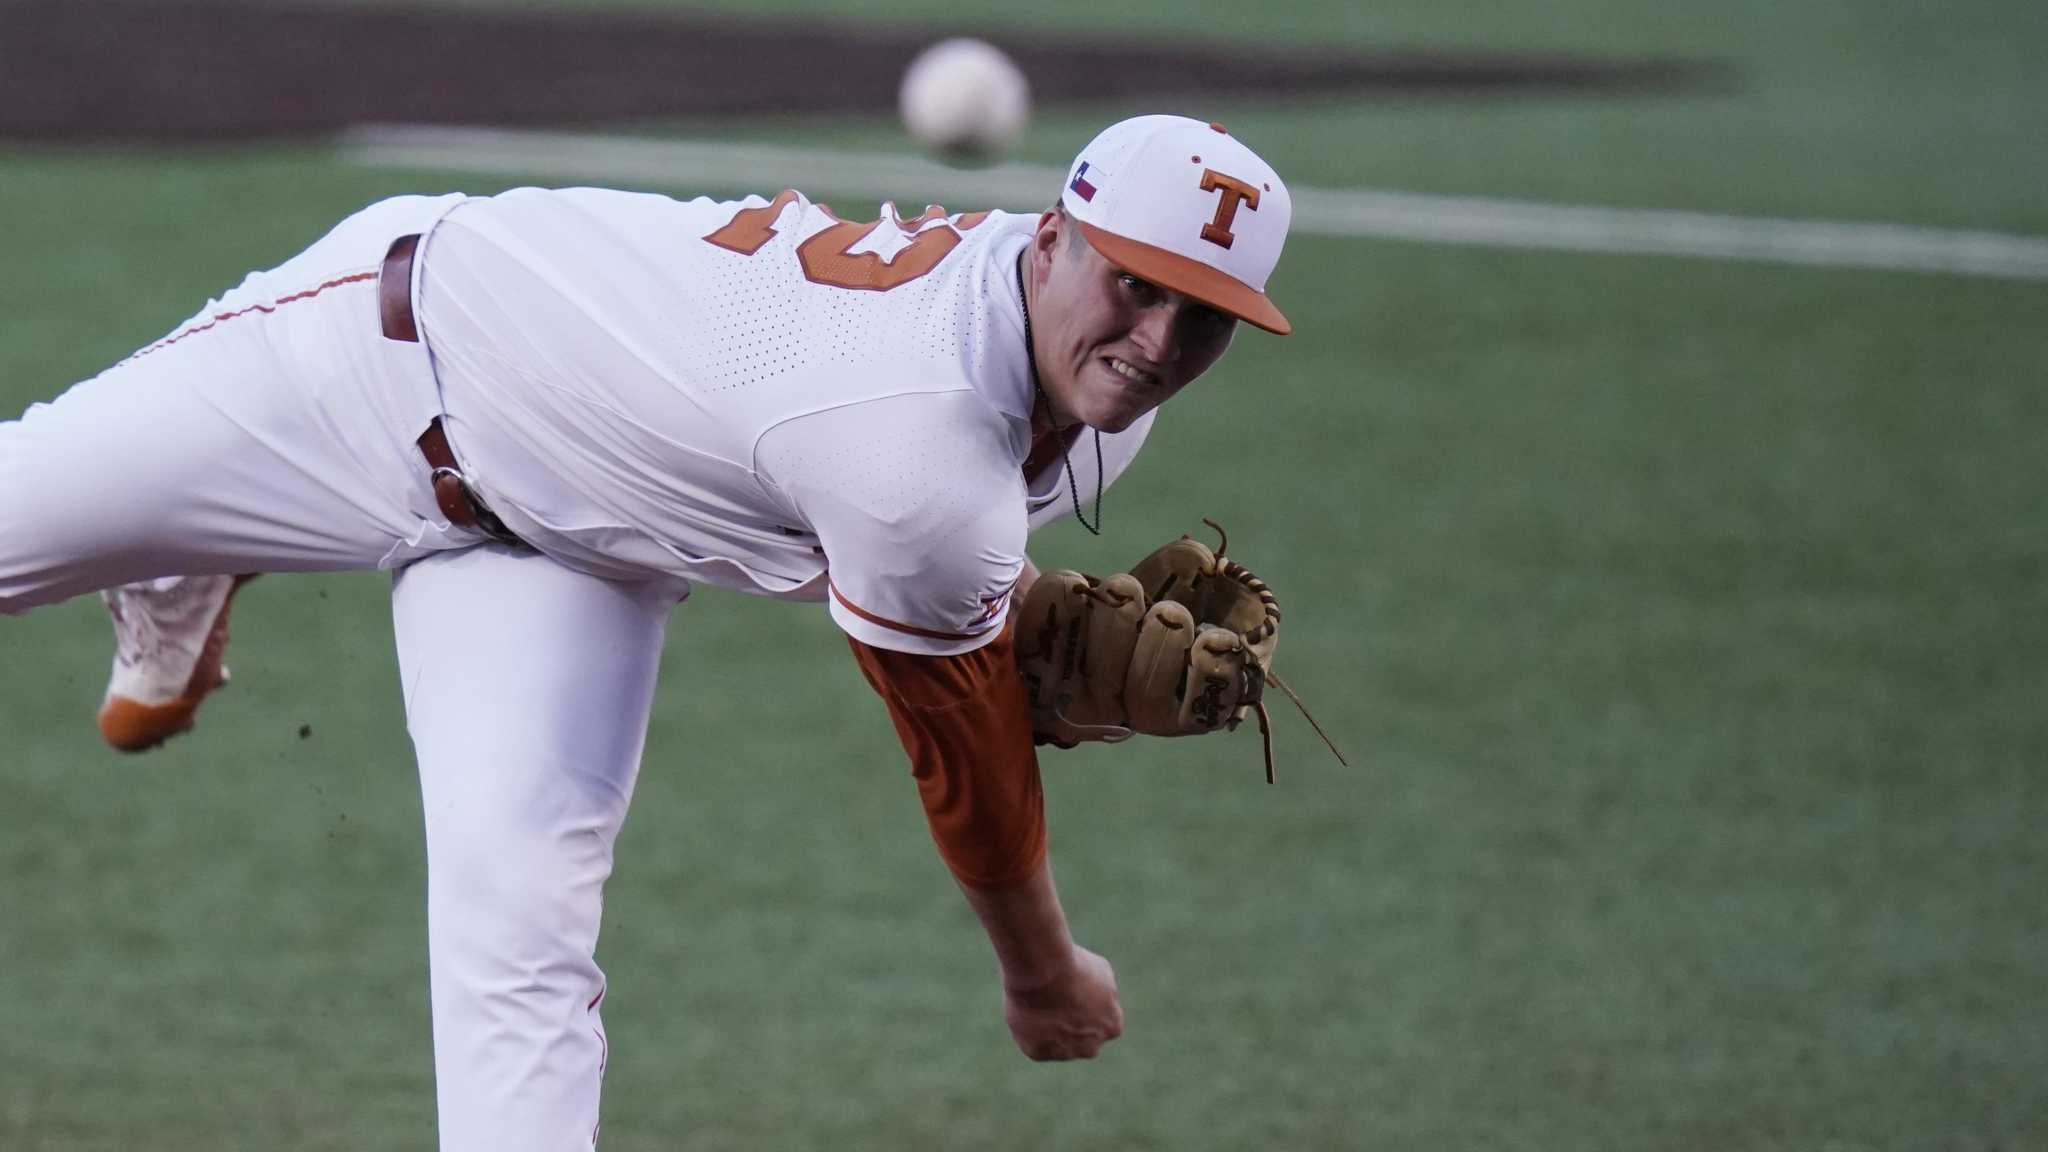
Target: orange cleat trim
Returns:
[[132, 726], [129, 726]]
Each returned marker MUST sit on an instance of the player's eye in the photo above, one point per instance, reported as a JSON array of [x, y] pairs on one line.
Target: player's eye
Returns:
[[1209, 320], [1142, 291]]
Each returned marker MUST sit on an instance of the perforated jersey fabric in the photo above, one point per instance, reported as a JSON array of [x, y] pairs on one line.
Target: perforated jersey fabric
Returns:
[[648, 388]]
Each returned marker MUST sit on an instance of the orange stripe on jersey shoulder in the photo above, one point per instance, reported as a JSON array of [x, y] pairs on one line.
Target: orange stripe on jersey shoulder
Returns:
[[898, 626]]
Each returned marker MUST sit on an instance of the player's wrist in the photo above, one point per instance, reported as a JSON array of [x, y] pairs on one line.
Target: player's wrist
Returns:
[[1044, 976], [1028, 931]]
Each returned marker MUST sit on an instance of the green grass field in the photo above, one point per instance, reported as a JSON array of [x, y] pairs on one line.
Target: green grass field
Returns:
[[1687, 624]]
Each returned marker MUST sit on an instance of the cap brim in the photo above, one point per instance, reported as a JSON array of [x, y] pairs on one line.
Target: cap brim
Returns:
[[1190, 277]]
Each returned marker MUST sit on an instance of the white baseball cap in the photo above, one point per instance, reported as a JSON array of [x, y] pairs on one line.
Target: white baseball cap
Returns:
[[1185, 205]]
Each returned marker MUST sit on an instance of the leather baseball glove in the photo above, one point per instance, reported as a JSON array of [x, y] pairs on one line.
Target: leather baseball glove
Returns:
[[1180, 645]]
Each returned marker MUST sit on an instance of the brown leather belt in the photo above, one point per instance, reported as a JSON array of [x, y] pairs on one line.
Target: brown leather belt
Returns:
[[452, 493]]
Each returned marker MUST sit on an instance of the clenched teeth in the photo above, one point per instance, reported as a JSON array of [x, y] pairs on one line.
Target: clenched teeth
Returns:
[[1131, 372]]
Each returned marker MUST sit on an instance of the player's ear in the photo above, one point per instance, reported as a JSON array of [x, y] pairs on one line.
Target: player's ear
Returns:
[[1052, 225]]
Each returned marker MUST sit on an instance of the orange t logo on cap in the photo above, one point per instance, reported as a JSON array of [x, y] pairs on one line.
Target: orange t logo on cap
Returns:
[[1217, 231]]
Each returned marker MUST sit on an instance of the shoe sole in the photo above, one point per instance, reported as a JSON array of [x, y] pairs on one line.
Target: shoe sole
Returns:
[[132, 726]]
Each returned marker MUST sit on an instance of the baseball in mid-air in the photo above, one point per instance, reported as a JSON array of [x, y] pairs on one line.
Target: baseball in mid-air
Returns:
[[965, 100]]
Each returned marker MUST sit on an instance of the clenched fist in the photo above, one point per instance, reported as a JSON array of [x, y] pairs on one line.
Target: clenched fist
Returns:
[[1071, 1017]]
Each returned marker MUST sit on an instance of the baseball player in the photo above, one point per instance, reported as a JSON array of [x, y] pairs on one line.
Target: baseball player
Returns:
[[551, 414]]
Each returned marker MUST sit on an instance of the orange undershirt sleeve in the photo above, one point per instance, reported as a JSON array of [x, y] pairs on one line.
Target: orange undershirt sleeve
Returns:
[[964, 722]]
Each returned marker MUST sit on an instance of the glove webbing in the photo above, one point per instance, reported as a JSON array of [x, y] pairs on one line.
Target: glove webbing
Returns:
[[1231, 569]]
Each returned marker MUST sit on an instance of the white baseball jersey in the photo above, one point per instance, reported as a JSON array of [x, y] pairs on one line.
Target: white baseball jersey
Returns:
[[753, 394]]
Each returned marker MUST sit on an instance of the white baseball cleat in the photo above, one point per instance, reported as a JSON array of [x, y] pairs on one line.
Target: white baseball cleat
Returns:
[[169, 637]]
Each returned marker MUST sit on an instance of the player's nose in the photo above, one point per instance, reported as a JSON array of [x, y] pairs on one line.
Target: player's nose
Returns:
[[1157, 333]]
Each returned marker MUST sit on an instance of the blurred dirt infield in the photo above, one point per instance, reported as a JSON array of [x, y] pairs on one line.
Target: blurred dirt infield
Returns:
[[155, 71]]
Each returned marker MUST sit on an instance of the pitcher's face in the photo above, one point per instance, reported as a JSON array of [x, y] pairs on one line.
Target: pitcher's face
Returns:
[[1112, 346]]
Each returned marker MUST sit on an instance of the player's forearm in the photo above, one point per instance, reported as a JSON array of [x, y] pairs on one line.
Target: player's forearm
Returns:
[[1027, 928], [964, 723]]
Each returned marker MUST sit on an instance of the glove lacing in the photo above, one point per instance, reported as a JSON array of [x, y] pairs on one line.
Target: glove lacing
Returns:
[[1255, 674]]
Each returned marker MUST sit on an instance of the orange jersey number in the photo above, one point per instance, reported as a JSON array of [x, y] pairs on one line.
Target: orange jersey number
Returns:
[[827, 257]]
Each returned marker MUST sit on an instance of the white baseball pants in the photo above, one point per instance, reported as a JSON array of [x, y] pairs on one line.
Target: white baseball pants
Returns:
[[275, 432], [527, 689]]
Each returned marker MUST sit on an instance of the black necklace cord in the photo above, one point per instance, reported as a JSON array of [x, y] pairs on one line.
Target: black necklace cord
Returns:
[[1031, 358]]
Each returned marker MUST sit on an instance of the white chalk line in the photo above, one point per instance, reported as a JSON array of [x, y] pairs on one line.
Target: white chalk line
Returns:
[[1477, 221]]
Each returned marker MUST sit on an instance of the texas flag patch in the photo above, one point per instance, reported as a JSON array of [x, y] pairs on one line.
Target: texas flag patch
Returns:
[[1081, 187]]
